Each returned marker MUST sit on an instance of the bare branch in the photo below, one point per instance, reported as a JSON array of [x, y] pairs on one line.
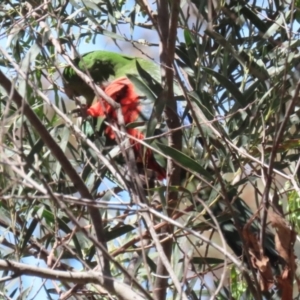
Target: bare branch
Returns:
[[120, 289]]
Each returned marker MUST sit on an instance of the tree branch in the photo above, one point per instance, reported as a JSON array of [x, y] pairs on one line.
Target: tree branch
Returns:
[[167, 29], [122, 290]]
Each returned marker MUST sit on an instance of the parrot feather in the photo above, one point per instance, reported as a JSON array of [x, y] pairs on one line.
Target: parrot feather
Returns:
[[133, 108], [103, 66]]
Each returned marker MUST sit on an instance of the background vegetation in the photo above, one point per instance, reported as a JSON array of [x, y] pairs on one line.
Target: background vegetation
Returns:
[[228, 229]]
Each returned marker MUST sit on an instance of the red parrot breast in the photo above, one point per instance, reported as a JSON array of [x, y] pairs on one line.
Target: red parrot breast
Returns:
[[122, 91]]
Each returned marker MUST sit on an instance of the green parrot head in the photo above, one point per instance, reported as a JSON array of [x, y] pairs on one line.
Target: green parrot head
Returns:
[[102, 66]]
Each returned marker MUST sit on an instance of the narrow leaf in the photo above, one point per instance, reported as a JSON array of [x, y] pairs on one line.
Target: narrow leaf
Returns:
[[184, 160], [29, 233], [228, 85]]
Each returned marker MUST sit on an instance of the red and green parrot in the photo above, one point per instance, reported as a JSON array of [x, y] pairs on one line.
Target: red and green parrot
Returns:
[[103, 67], [109, 70]]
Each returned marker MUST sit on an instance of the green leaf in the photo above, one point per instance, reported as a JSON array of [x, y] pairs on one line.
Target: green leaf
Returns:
[[207, 260], [142, 87], [36, 149], [228, 85], [254, 19], [276, 25], [187, 38], [29, 233], [153, 85], [184, 160], [250, 91], [117, 232], [63, 145]]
